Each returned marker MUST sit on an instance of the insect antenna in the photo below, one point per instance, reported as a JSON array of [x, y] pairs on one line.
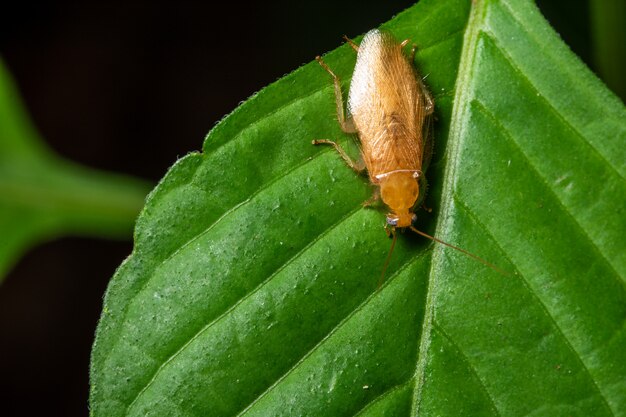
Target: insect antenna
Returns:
[[393, 245], [463, 251]]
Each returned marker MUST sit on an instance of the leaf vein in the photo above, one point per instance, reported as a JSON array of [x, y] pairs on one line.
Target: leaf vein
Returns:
[[540, 303], [572, 68], [264, 117], [215, 223], [440, 40], [457, 127], [334, 330], [381, 397], [249, 198], [481, 107], [549, 105], [471, 367]]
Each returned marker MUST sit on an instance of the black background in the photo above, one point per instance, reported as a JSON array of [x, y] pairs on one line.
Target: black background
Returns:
[[129, 88]]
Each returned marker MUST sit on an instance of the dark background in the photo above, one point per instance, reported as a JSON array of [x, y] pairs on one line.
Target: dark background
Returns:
[[129, 88]]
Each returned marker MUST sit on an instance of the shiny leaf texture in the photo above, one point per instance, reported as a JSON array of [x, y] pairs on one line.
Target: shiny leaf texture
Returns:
[[252, 287]]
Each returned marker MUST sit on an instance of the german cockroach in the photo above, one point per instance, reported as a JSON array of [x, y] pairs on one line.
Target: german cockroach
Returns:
[[389, 108]]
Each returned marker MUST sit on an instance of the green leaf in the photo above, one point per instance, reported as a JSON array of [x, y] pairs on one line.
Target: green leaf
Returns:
[[43, 196], [608, 31], [252, 286]]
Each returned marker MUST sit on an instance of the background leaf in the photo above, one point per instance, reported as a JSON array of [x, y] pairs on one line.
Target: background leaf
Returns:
[[608, 23], [251, 289], [43, 196]]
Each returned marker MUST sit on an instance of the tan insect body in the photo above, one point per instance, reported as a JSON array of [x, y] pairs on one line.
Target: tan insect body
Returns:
[[389, 107]]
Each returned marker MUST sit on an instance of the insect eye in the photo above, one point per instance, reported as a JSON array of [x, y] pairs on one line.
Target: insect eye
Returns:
[[391, 221]]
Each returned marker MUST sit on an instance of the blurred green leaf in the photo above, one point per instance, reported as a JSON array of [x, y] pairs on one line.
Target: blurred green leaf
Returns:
[[252, 286], [608, 30], [43, 196]]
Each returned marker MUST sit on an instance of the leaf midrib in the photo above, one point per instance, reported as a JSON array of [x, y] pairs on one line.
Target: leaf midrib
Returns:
[[460, 103], [461, 107], [208, 153], [448, 200]]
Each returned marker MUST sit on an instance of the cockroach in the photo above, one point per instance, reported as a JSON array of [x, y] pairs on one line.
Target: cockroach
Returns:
[[390, 109]]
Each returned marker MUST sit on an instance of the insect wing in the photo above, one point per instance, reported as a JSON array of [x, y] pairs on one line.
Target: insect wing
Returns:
[[386, 105]]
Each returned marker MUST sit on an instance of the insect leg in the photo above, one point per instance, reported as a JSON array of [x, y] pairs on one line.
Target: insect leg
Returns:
[[346, 124], [413, 48], [352, 44], [423, 186], [358, 167], [429, 105], [374, 198]]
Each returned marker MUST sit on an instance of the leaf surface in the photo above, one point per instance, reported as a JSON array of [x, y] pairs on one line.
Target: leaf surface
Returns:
[[252, 286]]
